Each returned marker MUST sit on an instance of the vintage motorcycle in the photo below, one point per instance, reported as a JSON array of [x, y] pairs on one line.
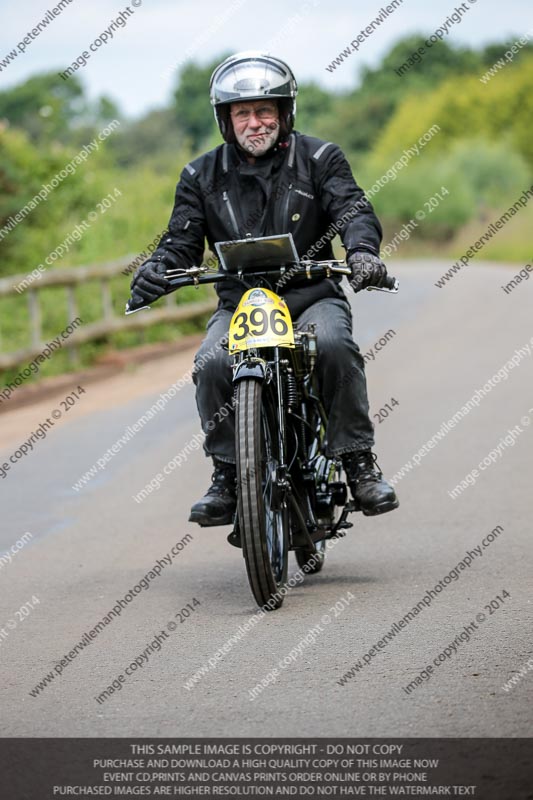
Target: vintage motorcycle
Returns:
[[290, 494]]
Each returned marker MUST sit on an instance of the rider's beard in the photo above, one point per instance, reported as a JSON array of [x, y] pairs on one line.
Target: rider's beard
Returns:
[[257, 143]]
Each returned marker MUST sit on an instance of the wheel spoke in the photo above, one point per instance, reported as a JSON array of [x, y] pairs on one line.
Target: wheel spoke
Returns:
[[273, 517]]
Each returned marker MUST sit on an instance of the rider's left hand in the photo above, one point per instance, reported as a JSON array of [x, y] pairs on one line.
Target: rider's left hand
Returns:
[[149, 282], [367, 270]]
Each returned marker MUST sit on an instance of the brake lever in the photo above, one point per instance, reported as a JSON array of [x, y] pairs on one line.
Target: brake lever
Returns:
[[190, 272], [177, 272], [173, 283], [173, 274], [133, 310]]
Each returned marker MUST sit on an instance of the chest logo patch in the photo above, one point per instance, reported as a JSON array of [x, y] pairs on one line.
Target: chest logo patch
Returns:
[[305, 194]]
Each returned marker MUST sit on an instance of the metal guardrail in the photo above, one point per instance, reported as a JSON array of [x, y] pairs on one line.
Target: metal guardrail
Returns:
[[108, 324]]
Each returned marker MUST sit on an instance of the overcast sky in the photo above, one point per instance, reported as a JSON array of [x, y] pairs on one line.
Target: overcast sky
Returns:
[[136, 70]]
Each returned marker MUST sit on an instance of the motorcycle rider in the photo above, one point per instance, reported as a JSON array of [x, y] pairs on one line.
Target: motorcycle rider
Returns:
[[269, 179]]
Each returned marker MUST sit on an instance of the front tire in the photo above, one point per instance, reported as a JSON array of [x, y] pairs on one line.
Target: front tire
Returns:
[[262, 508]]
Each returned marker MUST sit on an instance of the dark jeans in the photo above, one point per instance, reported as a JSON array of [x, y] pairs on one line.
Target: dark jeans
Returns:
[[341, 374]]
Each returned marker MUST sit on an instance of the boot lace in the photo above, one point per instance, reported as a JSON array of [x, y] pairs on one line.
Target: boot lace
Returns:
[[222, 480], [363, 466]]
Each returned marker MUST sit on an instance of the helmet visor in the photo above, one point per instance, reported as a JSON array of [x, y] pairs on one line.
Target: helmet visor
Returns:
[[252, 78]]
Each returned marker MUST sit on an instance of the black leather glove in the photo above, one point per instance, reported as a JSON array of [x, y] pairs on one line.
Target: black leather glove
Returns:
[[149, 282], [367, 270]]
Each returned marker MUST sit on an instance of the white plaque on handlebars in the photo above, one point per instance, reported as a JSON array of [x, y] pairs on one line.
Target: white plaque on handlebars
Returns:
[[266, 252]]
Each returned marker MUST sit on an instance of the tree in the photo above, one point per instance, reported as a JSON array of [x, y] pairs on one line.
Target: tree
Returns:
[[313, 107], [499, 110], [155, 138], [50, 109], [192, 108], [360, 115], [44, 106]]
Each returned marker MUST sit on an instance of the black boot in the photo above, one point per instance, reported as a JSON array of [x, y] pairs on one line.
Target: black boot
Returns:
[[217, 506], [371, 492]]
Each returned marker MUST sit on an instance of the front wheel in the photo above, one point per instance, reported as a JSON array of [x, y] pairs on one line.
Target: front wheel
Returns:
[[262, 505]]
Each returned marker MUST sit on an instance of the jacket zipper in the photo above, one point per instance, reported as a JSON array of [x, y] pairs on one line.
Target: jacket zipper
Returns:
[[231, 213], [286, 211]]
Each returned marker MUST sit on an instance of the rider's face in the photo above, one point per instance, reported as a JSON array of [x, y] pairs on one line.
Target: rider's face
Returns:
[[256, 125]]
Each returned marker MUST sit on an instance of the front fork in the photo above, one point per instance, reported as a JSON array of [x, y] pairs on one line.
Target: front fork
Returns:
[[269, 371]]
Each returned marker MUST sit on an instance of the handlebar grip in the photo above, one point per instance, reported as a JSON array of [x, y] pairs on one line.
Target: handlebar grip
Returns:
[[173, 284], [390, 284]]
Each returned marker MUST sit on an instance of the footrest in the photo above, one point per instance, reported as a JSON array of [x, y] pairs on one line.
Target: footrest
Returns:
[[336, 534], [234, 538]]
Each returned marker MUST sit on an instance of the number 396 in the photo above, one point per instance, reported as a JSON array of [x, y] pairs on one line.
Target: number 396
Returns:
[[256, 323]]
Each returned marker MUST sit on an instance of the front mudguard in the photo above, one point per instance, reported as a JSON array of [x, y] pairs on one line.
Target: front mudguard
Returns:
[[251, 368]]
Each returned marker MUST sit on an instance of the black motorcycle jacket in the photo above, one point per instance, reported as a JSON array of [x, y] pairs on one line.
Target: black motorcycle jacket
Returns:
[[303, 186]]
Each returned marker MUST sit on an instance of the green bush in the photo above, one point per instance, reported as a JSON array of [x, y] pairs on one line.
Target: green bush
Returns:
[[479, 175]]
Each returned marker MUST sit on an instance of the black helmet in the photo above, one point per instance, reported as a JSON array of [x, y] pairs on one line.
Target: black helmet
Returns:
[[252, 75]]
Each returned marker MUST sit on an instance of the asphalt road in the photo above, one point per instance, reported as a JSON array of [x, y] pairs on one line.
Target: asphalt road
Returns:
[[90, 547]]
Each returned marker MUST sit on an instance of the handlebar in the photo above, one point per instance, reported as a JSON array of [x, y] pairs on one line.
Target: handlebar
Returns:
[[194, 276]]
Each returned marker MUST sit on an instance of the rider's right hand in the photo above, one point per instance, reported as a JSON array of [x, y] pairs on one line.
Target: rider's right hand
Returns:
[[367, 270], [149, 282]]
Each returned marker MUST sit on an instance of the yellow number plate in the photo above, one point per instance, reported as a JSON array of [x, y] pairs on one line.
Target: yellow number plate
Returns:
[[262, 319]]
